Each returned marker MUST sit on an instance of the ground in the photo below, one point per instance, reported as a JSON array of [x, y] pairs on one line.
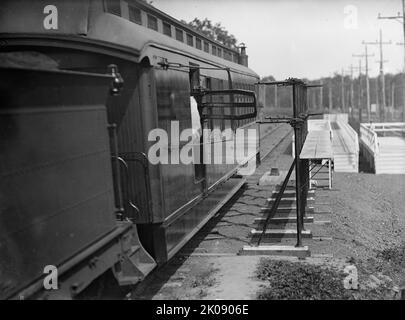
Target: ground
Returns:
[[367, 230]]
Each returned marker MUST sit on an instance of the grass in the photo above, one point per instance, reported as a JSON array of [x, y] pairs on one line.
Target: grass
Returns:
[[204, 279], [300, 281], [395, 255]]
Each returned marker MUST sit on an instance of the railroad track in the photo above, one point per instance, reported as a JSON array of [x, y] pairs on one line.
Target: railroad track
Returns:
[[274, 147], [106, 288]]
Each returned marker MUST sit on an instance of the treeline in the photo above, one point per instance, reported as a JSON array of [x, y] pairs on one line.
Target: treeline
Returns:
[[331, 95]]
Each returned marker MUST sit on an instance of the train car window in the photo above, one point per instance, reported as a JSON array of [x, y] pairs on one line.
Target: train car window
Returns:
[[167, 29], [206, 47], [190, 41], [114, 7], [208, 83], [135, 15], [179, 35], [152, 23], [214, 50], [219, 52], [194, 76], [198, 43]]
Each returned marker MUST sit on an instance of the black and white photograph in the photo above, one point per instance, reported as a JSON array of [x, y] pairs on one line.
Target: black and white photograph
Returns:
[[202, 156]]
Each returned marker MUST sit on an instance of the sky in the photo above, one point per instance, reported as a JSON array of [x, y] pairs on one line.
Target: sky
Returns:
[[303, 38]]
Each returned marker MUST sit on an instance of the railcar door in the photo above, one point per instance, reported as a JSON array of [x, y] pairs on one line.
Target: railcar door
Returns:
[[200, 170]]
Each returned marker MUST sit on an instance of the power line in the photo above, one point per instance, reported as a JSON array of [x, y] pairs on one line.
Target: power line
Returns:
[[351, 83], [380, 43], [400, 18], [366, 55], [343, 90], [360, 93], [360, 89]]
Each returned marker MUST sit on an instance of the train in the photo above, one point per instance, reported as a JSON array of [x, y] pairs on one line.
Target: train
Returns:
[[83, 84]]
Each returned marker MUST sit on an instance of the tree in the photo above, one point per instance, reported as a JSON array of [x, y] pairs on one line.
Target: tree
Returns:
[[214, 31]]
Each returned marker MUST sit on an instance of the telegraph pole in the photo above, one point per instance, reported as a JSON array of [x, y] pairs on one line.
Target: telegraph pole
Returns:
[[360, 93], [366, 55], [343, 90], [275, 97], [360, 96], [392, 89], [351, 86], [321, 95], [380, 43], [313, 99], [330, 96], [400, 18]]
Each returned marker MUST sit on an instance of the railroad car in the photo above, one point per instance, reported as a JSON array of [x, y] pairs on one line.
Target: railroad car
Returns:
[[82, 85]]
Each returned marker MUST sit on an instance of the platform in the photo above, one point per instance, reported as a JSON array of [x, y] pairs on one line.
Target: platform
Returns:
[[318, 150], [345, 145], [317, 146], [383, 146]]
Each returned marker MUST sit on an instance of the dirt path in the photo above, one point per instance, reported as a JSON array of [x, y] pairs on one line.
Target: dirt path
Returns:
[[367, 214]]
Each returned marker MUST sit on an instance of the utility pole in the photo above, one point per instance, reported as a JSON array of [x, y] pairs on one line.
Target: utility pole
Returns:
[[313, 99], [351, 87], [343, 90], [403, 111], [360, 93], [275, 97], [366, 55], [380, 43], [377, 98], [321, 95], [330, 96], [401, 19]]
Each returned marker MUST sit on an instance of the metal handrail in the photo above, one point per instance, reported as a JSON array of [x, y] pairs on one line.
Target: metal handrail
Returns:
[[369, 136], [231, 92], [123, 162], [276, 202], [141, 158]]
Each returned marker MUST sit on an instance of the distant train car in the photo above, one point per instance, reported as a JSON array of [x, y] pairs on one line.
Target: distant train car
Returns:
[[83, 84]]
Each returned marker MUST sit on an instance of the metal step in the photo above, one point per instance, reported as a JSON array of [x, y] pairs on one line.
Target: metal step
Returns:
[[281, 233], [289, 201], [286, 210], [290, 194], [274, 250], [282, 220]]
